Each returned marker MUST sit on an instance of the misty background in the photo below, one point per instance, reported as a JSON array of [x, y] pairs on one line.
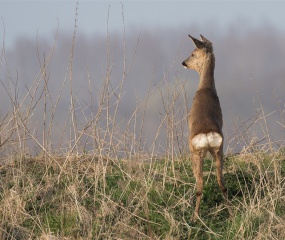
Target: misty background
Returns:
[[148, 40]]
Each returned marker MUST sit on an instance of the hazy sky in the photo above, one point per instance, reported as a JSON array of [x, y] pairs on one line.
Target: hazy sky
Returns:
[[29, 18], [251, 55]]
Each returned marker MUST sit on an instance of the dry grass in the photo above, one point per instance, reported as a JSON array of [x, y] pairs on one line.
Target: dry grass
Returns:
[[101, 198], [96, 178]]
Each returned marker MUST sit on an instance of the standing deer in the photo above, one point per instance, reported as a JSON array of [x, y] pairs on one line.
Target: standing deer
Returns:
[[205, 118]]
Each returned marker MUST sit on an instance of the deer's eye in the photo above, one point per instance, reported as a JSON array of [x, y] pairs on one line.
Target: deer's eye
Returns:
[[192, 55]]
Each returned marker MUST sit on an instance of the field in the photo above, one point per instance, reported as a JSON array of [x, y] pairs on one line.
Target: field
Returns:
[[92, 174], [103, 198]]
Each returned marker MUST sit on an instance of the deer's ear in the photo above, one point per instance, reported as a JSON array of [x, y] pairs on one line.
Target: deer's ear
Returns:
[[197, 42], [203, 39]]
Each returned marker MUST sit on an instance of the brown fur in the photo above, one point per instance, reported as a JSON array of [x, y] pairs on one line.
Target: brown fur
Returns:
[[205, 115]]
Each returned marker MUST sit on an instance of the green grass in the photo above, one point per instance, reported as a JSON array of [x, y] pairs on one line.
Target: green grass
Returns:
[[88, 199]]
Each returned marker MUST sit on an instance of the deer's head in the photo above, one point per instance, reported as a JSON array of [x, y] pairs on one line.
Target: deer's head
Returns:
[[198, 56]]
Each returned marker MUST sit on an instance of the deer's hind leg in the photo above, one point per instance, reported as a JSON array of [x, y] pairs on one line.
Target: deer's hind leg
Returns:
[[197, 159], [218, 156]]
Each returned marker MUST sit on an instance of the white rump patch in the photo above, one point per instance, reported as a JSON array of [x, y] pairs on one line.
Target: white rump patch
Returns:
[[209, 140]]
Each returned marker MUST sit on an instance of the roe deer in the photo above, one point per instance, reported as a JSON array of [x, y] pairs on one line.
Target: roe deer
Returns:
[[205, 118]]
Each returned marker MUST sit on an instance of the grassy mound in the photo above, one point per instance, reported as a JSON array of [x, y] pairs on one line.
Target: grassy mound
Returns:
[[99, 198]]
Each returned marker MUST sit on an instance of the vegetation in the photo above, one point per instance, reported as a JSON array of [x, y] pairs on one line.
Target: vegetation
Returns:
[[104, 198], [97, 176]]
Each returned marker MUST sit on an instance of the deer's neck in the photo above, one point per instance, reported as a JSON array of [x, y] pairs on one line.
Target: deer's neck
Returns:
[[206, 73]]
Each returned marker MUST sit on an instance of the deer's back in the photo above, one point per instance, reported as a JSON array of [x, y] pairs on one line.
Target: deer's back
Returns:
[[205, 114]]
